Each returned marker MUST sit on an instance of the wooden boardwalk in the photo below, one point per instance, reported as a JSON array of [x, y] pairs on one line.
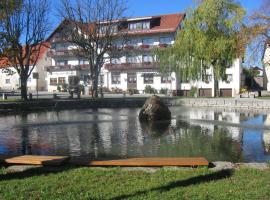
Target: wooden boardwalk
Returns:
[[34, 160], [129, 162], [144, 162]]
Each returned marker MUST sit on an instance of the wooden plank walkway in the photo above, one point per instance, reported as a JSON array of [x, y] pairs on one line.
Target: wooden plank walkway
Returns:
[[34, 160], [82, 161], [143, 162]]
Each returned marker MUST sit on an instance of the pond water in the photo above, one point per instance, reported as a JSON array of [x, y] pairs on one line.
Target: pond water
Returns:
[[214, 134]]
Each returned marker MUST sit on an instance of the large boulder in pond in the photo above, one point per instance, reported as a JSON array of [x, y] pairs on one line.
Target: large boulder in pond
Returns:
[[154, 109]]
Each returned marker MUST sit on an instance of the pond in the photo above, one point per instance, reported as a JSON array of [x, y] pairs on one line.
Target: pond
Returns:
[[215, 134]]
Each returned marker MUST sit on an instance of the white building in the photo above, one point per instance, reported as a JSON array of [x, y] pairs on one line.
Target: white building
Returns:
[[132, 64], [10, 80], [266, 62]]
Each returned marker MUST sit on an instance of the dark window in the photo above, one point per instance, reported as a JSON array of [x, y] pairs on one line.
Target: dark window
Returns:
[[7, 81], [132, 78], [148, 79], [116, 79], [166, 79], [61, 80], [53, 81], [61, 62]]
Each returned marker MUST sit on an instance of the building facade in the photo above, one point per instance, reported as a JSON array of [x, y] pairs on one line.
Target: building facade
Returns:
[[131, 64], [10, 80], [266, 69]]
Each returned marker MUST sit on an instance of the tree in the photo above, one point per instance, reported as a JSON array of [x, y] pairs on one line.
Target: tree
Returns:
[[209, 38], [93, 24], [257, 31], [22, 32]]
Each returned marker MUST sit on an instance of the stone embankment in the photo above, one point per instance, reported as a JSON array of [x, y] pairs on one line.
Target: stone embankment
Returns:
[[223, 103]]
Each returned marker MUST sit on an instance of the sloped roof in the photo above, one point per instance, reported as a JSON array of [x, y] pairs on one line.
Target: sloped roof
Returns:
[[4, 62]]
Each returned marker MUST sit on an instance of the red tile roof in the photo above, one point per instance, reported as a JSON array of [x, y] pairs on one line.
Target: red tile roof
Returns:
[[168, 24], [4, 61]]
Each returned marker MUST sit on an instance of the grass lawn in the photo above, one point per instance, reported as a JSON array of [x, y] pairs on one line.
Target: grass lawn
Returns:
[[116, 183]]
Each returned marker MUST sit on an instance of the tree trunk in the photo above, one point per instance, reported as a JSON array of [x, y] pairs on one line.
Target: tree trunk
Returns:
[[95, 87], [24, 88], [216, 87]]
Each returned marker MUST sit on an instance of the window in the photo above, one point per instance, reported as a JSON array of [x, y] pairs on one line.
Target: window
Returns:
[[132, 59], [148, 58], [148, 41], [148, 79], [165, 40], [61, 62], [132, 78], [116, 79], [101, 79], [139, 25], [207, 78], [166, 79], [61, 80], [7, 81], [116, 61], [83, 62], [53, 81], [146, 25], [85, 78], [104, 29], [229, 78]]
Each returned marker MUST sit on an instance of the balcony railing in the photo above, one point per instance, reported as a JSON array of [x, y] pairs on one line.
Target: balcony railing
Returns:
[[62, 53], [67, 67], [142, 47], [126, 66]]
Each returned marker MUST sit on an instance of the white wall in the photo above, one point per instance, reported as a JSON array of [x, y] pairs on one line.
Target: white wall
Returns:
[[266, 61]]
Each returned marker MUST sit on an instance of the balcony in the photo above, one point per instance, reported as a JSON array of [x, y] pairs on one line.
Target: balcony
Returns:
[[136, 48], [67, 68], [62, 53], [129, 66]]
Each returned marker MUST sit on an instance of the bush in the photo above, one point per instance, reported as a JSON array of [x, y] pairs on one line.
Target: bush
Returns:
[[243, 90], [193, 92], [163, 91], [132, 91], [149, 90]]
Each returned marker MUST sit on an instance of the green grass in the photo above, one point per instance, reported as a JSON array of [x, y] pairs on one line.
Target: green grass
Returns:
[[115, 183]]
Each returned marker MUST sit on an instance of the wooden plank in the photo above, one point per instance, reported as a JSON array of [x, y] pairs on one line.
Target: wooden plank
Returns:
[[143, 162], [34, 160]]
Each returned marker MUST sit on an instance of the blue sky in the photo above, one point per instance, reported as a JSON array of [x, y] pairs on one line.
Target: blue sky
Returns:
[[156, 7]]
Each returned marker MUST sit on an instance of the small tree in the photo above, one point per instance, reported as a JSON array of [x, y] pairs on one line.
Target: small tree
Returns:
[[93, 24], [209, 38], [23, 29]]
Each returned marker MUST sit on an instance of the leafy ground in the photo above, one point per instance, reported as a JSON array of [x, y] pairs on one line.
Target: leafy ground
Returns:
[[116, 183]]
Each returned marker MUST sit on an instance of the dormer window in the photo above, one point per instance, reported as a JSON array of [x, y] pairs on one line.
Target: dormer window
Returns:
[[139, 26], [104, 29]]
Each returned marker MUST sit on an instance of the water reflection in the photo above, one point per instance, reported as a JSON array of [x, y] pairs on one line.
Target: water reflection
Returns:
[[215, 134]]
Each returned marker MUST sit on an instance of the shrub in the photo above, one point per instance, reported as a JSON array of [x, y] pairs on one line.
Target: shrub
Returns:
[[163, 91], [149, 90], [132, 91], [193, 92]]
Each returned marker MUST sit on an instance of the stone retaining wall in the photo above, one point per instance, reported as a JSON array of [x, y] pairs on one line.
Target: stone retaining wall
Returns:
[[223, 103]]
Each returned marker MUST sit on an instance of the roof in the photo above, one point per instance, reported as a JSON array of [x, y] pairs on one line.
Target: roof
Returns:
[[4, 62], [167, 23]]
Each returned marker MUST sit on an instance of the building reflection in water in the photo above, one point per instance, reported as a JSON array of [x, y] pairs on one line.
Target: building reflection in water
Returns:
[[217, 135]]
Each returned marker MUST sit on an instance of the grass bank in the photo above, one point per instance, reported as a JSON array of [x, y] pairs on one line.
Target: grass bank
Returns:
[[116, 183]]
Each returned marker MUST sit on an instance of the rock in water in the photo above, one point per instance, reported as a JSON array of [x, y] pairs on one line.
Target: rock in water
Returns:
[[154, 110]]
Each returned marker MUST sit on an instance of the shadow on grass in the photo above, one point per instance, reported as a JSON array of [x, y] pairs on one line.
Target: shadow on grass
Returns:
[[35, 171], [182, 183]]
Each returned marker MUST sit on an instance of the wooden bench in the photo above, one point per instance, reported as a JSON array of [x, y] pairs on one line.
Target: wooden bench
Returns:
[[34, 160], [143, 162]]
